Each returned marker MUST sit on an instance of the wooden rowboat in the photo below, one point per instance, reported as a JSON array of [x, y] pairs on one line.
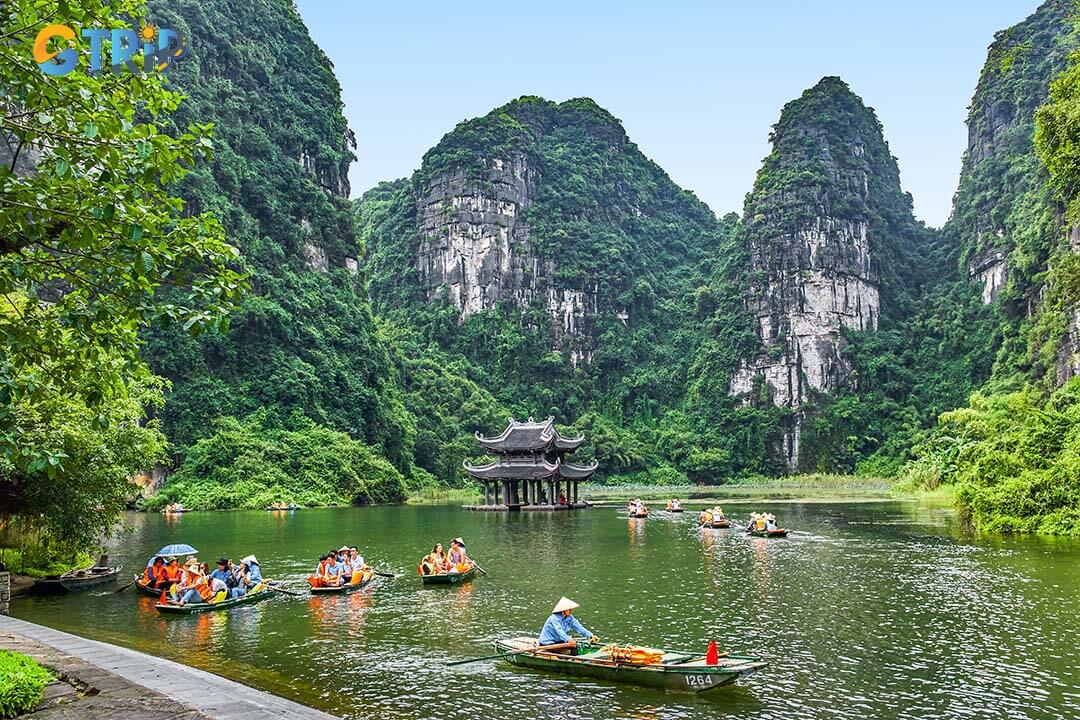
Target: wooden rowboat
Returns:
[[146, 589], [343, 589], [778, 533], [677, 671], [449, 578], [201, 607], [716, 524], [674, 510], [644, 514], [77, 580]]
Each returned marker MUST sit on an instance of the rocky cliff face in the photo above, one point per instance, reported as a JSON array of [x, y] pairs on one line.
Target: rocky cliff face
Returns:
[[534, 206], [1001, 177], [827, 224]]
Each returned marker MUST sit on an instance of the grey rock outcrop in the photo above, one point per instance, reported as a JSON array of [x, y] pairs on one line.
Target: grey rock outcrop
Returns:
[[816, 225]]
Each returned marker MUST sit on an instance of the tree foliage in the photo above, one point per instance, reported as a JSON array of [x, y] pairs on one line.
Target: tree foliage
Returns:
[[95, 246]]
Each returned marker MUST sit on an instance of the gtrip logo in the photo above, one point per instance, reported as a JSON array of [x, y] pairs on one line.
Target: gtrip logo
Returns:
[[160, 47]]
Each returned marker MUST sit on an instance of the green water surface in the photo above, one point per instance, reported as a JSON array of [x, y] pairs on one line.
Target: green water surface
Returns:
[[870, 610]]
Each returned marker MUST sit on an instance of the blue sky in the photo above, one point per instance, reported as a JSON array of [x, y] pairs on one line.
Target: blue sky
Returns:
[[697, 85]]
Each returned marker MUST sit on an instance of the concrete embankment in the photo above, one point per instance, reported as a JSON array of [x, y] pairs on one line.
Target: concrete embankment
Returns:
[[101, 680]]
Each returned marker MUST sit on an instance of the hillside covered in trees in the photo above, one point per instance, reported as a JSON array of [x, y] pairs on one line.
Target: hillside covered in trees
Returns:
[[539, 263]]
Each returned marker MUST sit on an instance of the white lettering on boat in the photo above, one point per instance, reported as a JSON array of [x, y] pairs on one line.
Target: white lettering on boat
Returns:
[[697, 681]]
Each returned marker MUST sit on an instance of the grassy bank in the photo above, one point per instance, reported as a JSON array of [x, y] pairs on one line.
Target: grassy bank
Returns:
[[443, 496], [791, 487], [35, 566]]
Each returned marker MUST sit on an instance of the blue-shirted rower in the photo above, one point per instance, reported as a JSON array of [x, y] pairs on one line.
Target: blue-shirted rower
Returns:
[[561, 623]]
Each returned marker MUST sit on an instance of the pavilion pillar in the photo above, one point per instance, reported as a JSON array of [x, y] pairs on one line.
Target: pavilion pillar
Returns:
[[575, 491], [550, 494]]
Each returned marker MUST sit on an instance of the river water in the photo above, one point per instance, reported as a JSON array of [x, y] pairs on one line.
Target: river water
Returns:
[[871, 610]]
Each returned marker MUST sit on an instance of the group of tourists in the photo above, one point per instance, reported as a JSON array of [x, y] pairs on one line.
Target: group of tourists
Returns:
[[344, 566], [762, 522], [636, 508], [674, 505], [712, 515], [195, 582], [438, 562]]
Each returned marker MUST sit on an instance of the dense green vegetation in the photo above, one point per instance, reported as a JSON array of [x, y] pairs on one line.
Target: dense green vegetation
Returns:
[[262, 460], [303, 341], [22, 680], [235, 317], [1012, 453], [94, 245]]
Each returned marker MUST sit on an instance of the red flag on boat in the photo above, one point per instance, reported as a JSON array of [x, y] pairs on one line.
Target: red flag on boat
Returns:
[[162, 599], [712, 657]]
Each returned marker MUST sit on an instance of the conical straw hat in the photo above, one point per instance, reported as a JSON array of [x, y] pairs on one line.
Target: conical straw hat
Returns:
[[565, 604]]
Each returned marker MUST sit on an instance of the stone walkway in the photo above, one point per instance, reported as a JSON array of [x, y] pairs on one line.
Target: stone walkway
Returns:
[[122, 684]]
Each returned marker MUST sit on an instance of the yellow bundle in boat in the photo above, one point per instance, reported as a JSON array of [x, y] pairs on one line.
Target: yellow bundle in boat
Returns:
[[634, 654]]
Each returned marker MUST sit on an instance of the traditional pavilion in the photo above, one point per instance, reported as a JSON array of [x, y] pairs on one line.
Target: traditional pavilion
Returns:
[[530, 473]]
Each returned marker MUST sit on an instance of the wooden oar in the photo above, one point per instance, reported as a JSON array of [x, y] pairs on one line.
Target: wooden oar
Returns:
[[383, 574], [477, 566], [275, 588], [544, 648], [125, 587]]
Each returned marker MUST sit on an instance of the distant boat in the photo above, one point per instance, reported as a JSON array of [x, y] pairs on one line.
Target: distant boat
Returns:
[[778, 533], [174, 509], [281, 508]]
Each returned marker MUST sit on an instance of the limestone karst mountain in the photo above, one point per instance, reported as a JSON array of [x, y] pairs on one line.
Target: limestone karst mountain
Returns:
[[833, 246]]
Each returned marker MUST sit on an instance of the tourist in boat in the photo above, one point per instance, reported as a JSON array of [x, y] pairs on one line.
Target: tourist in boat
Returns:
[[561, 623], [770, 522], [457, 558], [191, 580], [224, 573], [154, 576], [434, 563], [250, 573], [172, 572], [358, 565], [322, 577]]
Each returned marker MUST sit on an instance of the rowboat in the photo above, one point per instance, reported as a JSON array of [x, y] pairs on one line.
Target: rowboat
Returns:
[[449, 578], [146, 588], [643, 514], [77, 580], [343, 589], [201, 607], [778, 533], [677, 671], [286, 508], [718, 524], [675, 510]]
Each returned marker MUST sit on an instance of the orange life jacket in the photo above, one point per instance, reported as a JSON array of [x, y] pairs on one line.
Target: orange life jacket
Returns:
[[203, 588], [172, 572]]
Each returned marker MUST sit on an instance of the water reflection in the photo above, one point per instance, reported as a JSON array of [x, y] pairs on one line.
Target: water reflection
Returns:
[[879, 611]]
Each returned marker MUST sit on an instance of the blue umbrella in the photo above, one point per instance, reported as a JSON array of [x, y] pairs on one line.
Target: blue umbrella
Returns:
[[178, 549]]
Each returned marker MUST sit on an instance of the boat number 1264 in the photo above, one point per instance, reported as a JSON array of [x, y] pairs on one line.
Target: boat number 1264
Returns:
[[696, 681]]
